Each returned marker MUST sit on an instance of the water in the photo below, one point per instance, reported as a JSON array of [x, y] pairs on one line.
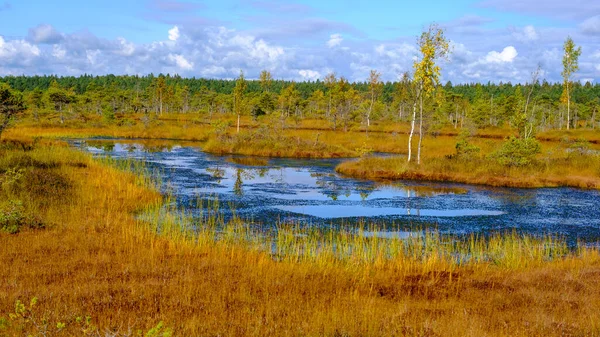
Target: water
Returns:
[[309, 192]]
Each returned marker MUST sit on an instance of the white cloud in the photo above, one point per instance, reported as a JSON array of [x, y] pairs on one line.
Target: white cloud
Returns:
[[591, 25], [58, 51], [459, 52], [527, 34], [334, 40], [507, 55], [308, 74], [174, 33], [261, 50], [126, 48], [220, 52], [17, 50], [45, 34], [181, 61], [92, 56], [396, 51], [530, 33], [213, 71]]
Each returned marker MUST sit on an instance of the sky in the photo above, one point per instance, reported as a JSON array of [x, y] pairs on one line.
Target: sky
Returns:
[[491, 40]]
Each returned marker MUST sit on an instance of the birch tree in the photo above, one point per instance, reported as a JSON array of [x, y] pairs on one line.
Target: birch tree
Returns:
[[433, 46], [238, 97], [570, 66], [330, 83], [265, 80], [375, 87]]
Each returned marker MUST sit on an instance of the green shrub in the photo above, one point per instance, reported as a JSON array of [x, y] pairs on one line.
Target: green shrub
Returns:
[[108, 114], [517, 152], [13, 218], [464, 149], [219, 128]]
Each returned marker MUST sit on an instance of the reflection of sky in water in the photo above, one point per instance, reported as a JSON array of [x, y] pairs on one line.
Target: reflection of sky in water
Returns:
[[301, 190], [391, 234], [338, 211]]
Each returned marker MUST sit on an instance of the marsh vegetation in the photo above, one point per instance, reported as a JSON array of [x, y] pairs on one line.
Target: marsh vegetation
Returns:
[[129, 241]]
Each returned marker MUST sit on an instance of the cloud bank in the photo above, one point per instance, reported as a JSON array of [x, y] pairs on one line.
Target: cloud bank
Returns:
[[308, 48]]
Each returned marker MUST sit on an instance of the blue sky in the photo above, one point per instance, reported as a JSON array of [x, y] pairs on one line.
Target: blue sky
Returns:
[[493, 40]]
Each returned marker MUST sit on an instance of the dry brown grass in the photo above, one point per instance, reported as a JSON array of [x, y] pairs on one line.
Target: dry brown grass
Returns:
[[96, 260], [555, 171]]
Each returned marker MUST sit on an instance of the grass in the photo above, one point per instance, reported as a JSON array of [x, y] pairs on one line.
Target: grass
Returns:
[[93, 258], [555, 167], [272, 143]]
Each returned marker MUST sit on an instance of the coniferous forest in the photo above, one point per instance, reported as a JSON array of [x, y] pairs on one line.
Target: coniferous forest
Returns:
[[482, 105]]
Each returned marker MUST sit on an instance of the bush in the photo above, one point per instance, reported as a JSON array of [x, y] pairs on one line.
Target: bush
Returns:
[[464, 149], [108, 114], [579, 147], [44, 184], [517, 152], [219, 128], [13, 218]]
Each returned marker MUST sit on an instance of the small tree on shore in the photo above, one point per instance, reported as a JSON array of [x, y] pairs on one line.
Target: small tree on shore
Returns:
[[433, 45], [570, 66], [238, 97], [11, 104], [375, 88]]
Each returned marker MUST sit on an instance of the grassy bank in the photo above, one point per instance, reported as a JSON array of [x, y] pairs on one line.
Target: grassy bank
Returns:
[[78, 249], [581, 171], [273, 142]]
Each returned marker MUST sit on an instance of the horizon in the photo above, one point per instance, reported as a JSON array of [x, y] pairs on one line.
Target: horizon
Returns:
[[318, 80], [493, 40]]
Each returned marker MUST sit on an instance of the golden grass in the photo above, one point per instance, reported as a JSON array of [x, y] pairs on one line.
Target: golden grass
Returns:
[[249, 161], [567, 170], [268, 143], [95, 259]]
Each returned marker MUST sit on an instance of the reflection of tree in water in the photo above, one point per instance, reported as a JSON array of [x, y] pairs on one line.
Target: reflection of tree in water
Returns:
[[217, 173], [104, 146], [151, 148], [240, 175], [408, 201], [130, 148], [262, 172], [237, 186], [331, 189], [108, 147], [512, 197], [365, 192]]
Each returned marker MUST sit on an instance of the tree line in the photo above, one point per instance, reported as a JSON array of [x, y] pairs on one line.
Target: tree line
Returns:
[[485, 103]]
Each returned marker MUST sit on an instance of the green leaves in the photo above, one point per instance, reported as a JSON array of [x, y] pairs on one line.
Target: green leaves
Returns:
[[11, 103], [570, 59], [517, 152], [433, 45]]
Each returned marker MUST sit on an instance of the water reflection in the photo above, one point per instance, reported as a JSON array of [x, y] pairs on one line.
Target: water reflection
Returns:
[[340, 211], [270, 190]]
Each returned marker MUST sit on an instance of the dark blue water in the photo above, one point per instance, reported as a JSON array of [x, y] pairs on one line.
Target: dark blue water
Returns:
[[309, 192]]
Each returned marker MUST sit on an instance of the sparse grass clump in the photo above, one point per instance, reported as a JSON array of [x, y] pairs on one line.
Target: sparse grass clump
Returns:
[[271, 142]]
